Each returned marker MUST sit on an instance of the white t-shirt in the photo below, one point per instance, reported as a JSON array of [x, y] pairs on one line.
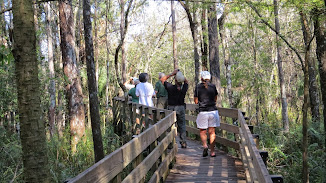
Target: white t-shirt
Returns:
[[145, 92]]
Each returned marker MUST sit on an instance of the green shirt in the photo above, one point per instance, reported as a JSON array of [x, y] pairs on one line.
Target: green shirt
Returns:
[[132, 93], [160, 89]]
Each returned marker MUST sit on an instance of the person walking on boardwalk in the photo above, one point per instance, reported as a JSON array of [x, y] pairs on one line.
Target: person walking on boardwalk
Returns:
[[176, 97], [145, 90], [161, 93], [206, 95]]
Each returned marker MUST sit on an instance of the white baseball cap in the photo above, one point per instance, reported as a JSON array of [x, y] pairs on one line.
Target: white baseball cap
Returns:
[[205, 75]]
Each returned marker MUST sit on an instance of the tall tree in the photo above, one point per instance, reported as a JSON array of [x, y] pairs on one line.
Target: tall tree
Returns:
[[313, 85], [122, 27], [92, 86], [226, 54], [307, 84], [204, 45], [194, 32], [174, 30], [213, 50], [320, 32], [49, 22], [32, 136], [70, 68], [123, 35], [285, 117]]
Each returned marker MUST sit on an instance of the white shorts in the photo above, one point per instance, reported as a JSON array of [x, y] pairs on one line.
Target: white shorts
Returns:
[[207, 119]]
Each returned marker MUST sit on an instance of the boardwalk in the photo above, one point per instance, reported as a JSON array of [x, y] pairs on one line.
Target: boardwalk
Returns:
[[191, 167]]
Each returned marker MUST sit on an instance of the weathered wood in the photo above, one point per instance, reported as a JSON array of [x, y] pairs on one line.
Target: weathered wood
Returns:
[[190, 166], [111, 165], [220, 140], [164, 166], [260, 168], [138, 173]]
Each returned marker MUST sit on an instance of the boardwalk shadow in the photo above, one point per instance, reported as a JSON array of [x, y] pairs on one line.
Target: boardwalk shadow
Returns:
[[191, 167]]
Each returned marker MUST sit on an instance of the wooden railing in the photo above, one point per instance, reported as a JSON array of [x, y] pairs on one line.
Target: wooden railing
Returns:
[[241, 141], [130, 163], [146, 154]]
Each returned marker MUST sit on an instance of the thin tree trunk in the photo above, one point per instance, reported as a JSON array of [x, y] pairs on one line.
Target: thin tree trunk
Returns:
[[49, 23], [204, 45], [33, 138], [174, 30], [305, 165], [214, 51], [73, 88], [194, 32], [313, 86], [285, 118], [96, 43], [92, 86], [320, 32], [116, 55], [107, 41], [226, 55], [123, 55]]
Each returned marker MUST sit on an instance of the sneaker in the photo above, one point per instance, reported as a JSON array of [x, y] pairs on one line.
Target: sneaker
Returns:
[[183, 145], [205, 152]]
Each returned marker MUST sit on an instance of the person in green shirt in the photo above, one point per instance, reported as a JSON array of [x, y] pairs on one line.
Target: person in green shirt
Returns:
[[132, 92], [161, 93]]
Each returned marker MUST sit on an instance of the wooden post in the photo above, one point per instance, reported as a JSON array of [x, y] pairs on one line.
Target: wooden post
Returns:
[[264, 156], [146, 117], [256, 139], [251, 128], [277, 178]]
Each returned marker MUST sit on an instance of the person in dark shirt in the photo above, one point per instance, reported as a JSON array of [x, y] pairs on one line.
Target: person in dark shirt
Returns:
[[206, 95], [176, 97], [161, 93]]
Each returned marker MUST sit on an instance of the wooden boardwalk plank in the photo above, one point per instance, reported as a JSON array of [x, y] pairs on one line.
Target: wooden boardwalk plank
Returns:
[[191, 167]]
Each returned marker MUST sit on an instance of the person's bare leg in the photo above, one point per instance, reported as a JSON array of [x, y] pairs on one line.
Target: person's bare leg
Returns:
[[212, 136], [203, 137]]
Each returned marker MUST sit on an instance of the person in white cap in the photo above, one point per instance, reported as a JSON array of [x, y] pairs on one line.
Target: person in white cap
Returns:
[[208, 118], [176, 101], [130, 83]]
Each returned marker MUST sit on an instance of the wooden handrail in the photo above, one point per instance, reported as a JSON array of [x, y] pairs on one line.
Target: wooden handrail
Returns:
[[254, 164], [112, 165]]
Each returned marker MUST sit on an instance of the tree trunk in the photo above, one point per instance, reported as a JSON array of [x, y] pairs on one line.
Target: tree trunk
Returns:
[[174, 30], [92, 86], [116, 55], [226, 55], [194, 32], [313, 86], [122, 27], [214, 51], [285, 118], [320, 32], [33, 138], [107, 41], [96, 43], [305, 165], [204, 45], [73, 88], [49, 23]]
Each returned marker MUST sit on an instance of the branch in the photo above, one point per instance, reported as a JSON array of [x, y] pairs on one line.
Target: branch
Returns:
[[116, 56], [273, 29]]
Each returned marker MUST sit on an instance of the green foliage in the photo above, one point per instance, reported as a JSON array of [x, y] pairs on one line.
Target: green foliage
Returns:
[[10, 162], [285, 153]]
